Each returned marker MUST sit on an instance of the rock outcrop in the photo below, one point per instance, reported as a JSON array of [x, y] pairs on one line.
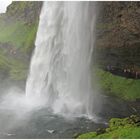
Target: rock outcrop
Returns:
[[118, 34]]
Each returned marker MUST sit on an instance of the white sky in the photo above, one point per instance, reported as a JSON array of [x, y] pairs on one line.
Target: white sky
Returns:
[[4, 4]]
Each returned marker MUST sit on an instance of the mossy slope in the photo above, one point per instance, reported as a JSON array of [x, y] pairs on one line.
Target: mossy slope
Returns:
[[122, 87], [18, 34], [18, 27], [118, 129], [13, 68]]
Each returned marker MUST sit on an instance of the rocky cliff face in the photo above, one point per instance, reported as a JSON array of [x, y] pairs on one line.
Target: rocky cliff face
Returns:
[[24, 11], [19, 24], [118, 34], [18, 27]]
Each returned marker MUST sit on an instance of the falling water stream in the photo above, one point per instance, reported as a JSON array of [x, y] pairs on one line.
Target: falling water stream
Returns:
[[60, 73]]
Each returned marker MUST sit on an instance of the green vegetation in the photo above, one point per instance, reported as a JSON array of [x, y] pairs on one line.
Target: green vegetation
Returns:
[[124, 132], [89, 135], [118, 128], [122, 87], [14, 68], [18, 27], [18, 34], [20, 37], [14, 10]]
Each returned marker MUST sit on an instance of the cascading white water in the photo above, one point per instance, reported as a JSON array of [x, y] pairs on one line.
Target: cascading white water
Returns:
[[60, 68]]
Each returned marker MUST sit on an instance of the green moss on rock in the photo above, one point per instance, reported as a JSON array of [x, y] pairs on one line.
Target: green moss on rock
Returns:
[[89, 135], [122, 87], [18, 34], [118, 128], [14, 68], [18, 27], [27, 11]]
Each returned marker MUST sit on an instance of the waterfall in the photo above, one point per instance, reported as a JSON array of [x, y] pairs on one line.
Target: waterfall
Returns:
[[60, 74]]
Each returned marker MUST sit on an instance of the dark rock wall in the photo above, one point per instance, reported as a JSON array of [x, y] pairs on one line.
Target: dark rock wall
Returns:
[[118, 34]]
